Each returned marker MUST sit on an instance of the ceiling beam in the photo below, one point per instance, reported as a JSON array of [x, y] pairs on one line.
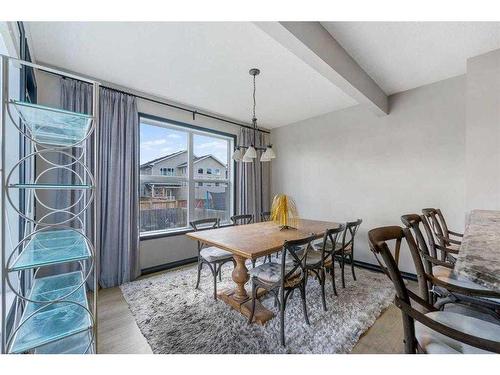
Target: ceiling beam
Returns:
[[313, 44]]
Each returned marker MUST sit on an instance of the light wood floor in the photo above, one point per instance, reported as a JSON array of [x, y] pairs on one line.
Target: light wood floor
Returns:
[[119, 333]]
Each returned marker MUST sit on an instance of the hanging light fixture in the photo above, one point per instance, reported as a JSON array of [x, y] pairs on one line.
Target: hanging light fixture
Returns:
[[251, 151]]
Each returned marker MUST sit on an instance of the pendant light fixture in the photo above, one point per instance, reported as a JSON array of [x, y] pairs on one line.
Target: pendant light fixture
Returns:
[[251, 151]]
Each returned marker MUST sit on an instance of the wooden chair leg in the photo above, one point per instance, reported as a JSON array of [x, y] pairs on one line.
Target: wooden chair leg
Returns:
[[215, 281], [332, 274], [304, 305], [342, 267], [352, 268], [322, 281], [282, 316], [200, 265]]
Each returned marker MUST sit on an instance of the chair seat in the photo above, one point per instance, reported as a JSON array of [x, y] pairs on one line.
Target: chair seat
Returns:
[[213, 254], [270, 273], [314, 257], [435, 343], [328, 247], [446, 275]]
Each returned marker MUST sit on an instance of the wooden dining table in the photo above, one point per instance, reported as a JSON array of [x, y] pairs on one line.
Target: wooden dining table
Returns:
[[254, 241]]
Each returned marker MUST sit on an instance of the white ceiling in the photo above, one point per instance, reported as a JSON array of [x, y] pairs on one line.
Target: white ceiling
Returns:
[[201, 64], [404, 55]]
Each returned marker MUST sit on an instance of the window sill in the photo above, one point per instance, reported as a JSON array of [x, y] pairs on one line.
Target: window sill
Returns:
[[172, 233]]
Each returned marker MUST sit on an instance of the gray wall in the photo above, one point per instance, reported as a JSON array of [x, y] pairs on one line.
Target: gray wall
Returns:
[[352, 164], [483, 132]]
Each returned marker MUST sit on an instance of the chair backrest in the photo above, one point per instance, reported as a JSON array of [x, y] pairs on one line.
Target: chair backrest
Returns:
[[265, 216], [351, 227], [426, 260], [432, 216], [378, 239], [202, 224], [242, 219], [332, 236], [296, 251]]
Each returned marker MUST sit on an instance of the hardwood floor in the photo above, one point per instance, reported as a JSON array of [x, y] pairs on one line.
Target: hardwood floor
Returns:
[[119, 333]]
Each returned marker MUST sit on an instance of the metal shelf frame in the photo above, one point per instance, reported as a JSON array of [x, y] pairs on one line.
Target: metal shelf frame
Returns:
[[50, 244]]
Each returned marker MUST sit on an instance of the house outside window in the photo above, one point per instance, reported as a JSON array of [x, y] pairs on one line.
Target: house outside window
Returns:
[[171, 196]]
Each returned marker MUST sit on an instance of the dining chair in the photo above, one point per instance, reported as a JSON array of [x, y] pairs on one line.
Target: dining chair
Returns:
[[345, 249], [265, 216], [441, 282], [440, 230], [281, 279], [242, 219], [322, 259], [427, 329], [212, 256]]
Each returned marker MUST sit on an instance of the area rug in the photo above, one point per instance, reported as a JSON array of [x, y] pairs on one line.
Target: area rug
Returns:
[[176, 318]]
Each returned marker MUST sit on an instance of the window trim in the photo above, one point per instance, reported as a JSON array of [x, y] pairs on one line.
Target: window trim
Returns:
[[181, 231]]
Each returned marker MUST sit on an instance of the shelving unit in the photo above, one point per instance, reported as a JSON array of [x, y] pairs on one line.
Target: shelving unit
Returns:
[[58, 261]]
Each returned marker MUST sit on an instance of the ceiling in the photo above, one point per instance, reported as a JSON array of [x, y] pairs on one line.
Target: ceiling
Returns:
[[201, 64], [404, 55]]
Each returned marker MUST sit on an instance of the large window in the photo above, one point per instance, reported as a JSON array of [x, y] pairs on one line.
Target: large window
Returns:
[[174, 189]]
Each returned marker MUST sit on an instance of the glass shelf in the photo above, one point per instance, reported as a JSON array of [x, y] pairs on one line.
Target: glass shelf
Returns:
[[51, 186], [76, 344], [56, 321], [52, 247], [51, 125]]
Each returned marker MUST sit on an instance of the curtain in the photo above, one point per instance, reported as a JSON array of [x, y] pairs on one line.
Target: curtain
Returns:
[[253, 179], [118, 133]]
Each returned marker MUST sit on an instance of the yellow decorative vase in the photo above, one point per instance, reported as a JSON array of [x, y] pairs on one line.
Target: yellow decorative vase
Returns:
[[284, 212]]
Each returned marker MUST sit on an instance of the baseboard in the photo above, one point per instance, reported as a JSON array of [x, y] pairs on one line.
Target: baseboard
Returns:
[[183, 262], [376, 268], [167, 266]]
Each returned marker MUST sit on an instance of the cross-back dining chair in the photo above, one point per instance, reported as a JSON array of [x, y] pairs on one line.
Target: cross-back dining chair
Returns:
[[439, 277], [440, 230], [212, 256], [265, 216], [281, 279], [322, 259], [427, 329], [242, 219], [345, 250]]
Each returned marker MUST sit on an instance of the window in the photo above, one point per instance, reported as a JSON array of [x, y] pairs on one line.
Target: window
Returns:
[[170, 195], [167, 171]]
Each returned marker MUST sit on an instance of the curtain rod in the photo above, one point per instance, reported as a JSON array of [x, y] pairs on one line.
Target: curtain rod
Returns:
[[194, 112]]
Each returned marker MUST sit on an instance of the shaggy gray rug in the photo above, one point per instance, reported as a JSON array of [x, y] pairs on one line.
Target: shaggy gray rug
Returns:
[[176, 318]]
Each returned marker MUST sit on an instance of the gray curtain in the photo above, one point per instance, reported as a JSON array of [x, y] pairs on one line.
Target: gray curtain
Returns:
[[253, 179], [118, 132]]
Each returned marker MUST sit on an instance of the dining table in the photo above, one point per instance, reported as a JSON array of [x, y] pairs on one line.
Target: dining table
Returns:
[[478, 259], [249, 242]]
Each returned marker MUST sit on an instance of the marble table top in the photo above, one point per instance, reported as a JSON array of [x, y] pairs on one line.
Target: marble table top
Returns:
[[479, 255]]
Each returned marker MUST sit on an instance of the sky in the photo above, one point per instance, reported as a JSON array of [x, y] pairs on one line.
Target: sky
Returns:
[[157, 141]]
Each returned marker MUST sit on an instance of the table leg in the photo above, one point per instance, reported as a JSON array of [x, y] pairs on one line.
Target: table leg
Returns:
[[239, 299]]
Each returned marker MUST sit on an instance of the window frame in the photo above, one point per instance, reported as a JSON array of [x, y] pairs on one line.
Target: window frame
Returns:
[[190, 178]]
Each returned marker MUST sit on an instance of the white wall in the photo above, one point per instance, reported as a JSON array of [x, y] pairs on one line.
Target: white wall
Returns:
[[352, 164], [483, 132]]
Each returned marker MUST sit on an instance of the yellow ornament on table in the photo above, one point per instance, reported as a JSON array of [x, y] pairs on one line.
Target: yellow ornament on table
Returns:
[[284, 212]]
